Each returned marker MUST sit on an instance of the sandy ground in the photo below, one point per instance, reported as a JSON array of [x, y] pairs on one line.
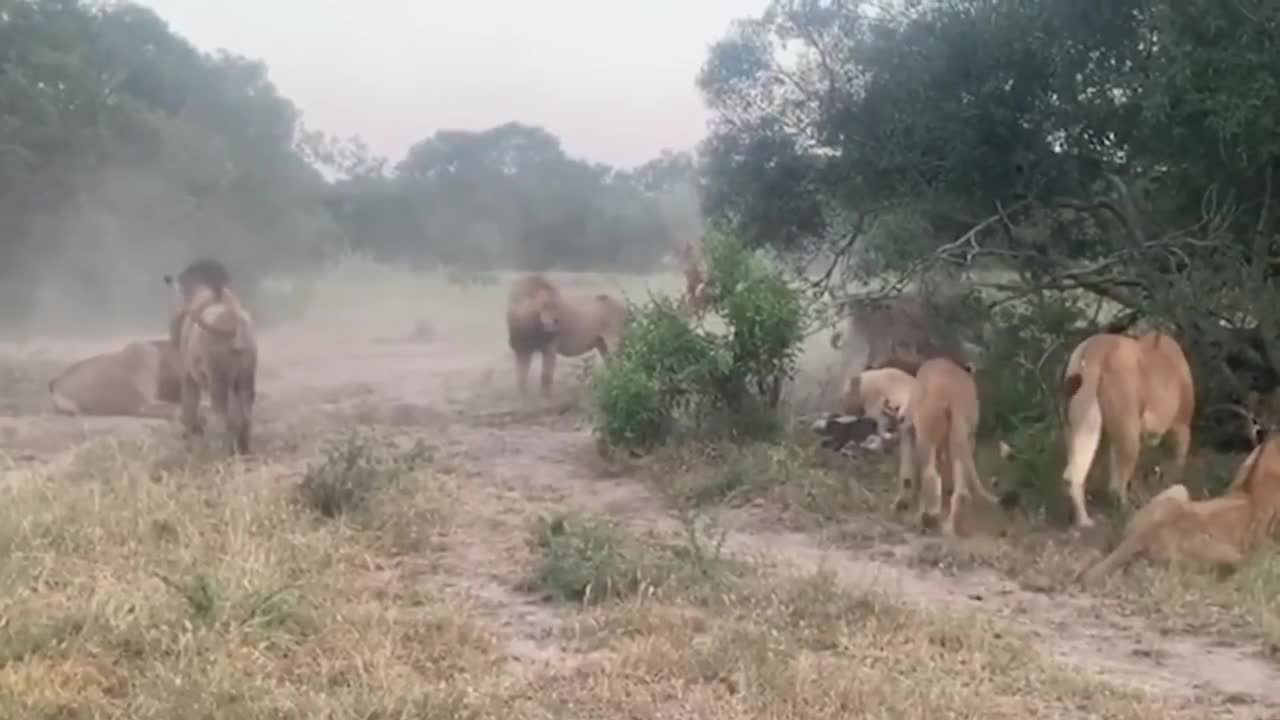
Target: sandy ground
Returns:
[[524, 459]]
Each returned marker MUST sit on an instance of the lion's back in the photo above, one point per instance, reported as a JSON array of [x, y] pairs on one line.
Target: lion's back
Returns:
[[944, 388]]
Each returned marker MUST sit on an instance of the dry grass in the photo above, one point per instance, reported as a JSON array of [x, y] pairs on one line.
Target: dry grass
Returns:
[[218, 594], [848, 501], [745, 644], [219, 591]]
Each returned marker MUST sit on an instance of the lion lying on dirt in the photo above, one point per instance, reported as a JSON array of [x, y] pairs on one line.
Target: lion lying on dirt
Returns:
[[142, 379], [1217, 532], [218, 351], [1128, 389], [941, 428], [541, 320], [898, 333]]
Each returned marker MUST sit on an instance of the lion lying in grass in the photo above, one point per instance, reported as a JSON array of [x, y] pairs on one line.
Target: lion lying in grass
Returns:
[[540, 319], [1219, 532], [142, 379], [1126, 388]]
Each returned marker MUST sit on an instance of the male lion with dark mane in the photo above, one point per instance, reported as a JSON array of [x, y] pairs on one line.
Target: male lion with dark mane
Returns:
[[541, 320], [1217, 532], [899, 332], [1128, 389], [941, 430], [142, 379], [218, 349]]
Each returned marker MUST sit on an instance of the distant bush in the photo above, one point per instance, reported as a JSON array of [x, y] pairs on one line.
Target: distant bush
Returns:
[[670, 369], [353, 470]]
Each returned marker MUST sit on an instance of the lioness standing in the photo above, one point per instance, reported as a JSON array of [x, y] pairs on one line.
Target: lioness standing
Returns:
[[1126, 388], [942, 427], [541, 320], [218, 351]]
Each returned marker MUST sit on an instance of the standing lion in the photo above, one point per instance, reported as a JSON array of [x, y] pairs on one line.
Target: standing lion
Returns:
[[218, 351], [1126, 389], [541, 320]]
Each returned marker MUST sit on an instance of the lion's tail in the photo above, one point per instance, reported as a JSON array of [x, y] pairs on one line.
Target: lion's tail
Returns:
[[1084, 414], [960, 438]]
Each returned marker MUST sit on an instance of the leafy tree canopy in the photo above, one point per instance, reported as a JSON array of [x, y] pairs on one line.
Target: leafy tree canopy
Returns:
[[1125, 149]]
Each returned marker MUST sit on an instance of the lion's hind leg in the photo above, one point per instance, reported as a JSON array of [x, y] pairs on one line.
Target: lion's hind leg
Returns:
[[190, 413], [1180, 442], [548, 367], [908, 480], [930, 478], [1120, 403], [240, 414]]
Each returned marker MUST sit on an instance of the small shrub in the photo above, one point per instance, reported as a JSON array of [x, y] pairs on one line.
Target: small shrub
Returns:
[[590, 561], [585, 560], [669, 370], [629, 407], [353, 470]]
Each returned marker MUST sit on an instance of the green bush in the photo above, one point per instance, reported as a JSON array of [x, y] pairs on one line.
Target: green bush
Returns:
[[1019, 384], [670, 369]]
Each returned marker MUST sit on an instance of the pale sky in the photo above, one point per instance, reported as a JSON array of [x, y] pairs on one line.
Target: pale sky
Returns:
[[614, 79]]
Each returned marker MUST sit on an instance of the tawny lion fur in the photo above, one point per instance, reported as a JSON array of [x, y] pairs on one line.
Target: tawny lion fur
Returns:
[[218, 349], [1220, 532], [881, 394], [941, 429], [696, 293], [541, 320], [142, 379], [1126, 389], [897, 332]]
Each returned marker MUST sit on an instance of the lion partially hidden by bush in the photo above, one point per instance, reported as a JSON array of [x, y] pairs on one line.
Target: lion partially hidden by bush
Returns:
[[1218, 532], [541, 320], [218, 350], [1125, 388], [899, 332], [142, 379]]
